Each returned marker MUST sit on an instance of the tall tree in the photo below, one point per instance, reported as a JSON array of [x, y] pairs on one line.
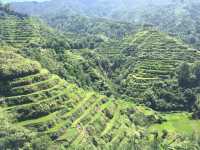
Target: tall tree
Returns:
[[184, 76], [197, 73]]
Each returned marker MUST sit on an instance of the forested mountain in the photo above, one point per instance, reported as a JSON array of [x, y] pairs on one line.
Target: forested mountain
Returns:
[[179, 17], [101, 74], [98, 8], [104, 29]]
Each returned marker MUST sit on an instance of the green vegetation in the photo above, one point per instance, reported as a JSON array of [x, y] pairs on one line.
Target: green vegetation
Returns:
[[103, 88], [152, 78], [196, 111], [45, 104], [180, 18], [23, 31], [101, 28], [178, 123], [15, 137], [8, 70]]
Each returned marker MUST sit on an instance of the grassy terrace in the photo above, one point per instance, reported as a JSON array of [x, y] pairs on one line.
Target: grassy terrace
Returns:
[[178, 123], [157, 57], [71, 116], [16, 31]]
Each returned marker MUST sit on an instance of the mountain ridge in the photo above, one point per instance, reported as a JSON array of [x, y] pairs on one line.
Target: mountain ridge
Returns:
[[175, 17]]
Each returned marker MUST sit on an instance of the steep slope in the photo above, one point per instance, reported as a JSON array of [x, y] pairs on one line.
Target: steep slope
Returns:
[[57, 52], [70, 16], [14, 136], [79, 24], [181, 19], [99, 8], [11, 28], [178, 17], [44, 103], [155, 59], [20, 31], [133, 68]]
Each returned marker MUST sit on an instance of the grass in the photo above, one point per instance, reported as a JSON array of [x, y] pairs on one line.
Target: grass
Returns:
[[68, 114], [39, 120], [178, 123], [87, 112], [18, 32], [110, 124], [33, 97], [42, 75]]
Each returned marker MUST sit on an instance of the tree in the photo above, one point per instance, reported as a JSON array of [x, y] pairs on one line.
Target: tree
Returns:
[[184, 75], [150, 99], [197, 73], [7, 7], [190, 98], [92, 46], [42, 143]]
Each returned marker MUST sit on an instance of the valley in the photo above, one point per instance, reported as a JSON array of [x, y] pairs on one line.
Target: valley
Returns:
[[77, 81]]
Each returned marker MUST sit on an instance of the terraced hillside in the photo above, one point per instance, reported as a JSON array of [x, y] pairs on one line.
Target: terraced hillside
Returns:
[[71, 116], [21, 31], [17, 31], [156, 58]]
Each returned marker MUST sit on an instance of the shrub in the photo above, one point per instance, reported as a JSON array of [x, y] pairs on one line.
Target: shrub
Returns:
[[13, 65]]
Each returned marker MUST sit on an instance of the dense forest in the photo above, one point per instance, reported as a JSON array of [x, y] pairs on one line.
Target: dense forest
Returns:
[[177, 17], [100, 75]]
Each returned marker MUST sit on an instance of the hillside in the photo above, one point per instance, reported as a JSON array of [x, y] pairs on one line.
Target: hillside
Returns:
[[83, 82], [11, 27], [44, 103], [37, 105], [133, 68], [95, 8], [20, 31], [104, 29], [145, 68], [34, 39], [178, 17], [153, 61]]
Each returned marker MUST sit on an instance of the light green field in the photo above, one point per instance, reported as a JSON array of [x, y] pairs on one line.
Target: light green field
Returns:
[[178, 123]]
